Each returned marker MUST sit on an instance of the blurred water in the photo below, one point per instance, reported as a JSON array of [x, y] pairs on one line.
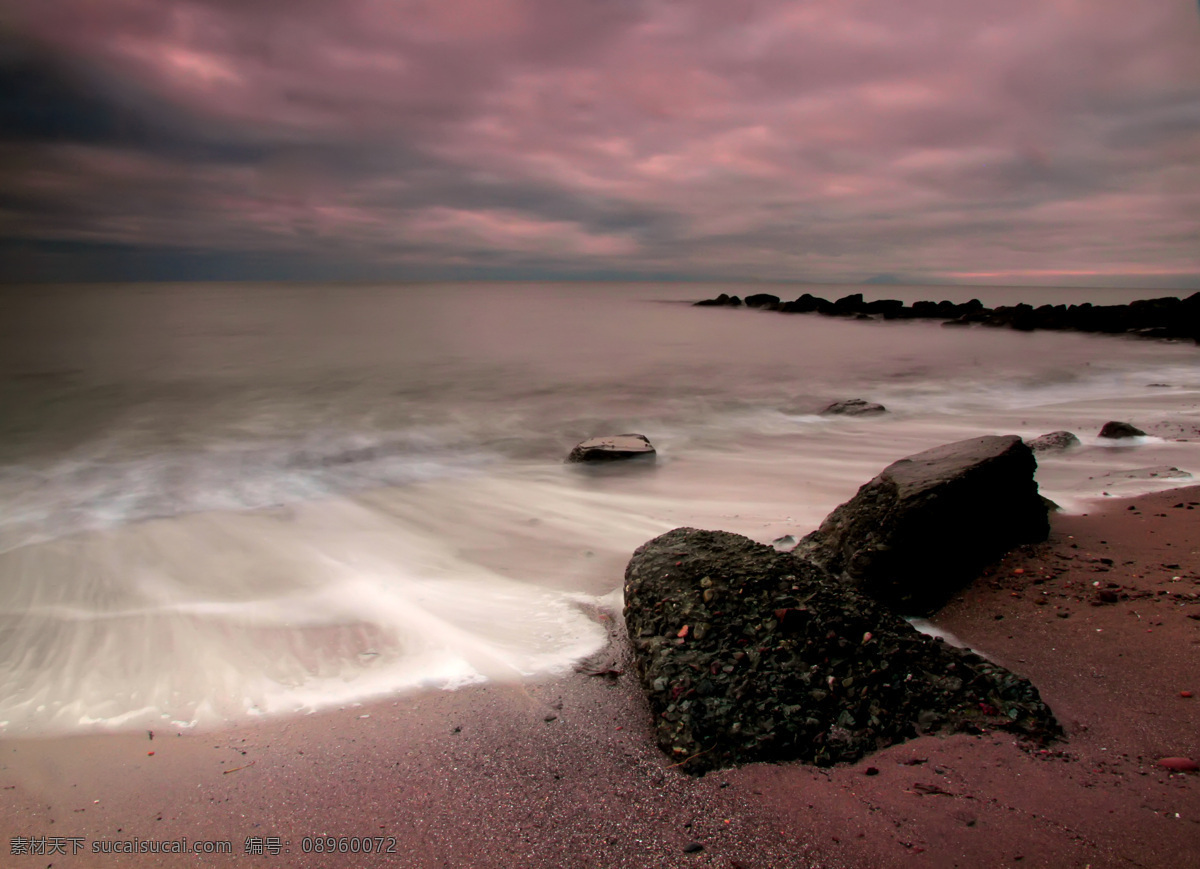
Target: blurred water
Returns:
[[223, 500]]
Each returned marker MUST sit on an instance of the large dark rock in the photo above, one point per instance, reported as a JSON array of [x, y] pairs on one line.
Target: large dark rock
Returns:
[[1053, 441], [749, 654], [613, 448], [853, 407], [924, 527], [1115, 430]]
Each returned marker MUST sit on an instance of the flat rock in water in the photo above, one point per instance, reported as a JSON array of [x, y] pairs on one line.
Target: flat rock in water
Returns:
[[1116, 430], [749, 654], [613, 448], [1053, 441], [853, 407], [927, 524]]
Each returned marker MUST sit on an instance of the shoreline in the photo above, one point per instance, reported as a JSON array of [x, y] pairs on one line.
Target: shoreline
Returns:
[[563, 771]]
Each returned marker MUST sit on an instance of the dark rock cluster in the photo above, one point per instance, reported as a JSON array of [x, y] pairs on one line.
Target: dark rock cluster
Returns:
[[1166, 317], [749, 654]]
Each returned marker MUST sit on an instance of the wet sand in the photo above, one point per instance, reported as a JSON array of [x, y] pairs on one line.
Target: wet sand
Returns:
[[562, 772]]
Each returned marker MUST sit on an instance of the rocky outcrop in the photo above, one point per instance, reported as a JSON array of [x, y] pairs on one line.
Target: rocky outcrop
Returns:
[[749, 654], [853, 407], [613, 448], [1053, 442], [1166, 317], [925, 526], [1116, 430]]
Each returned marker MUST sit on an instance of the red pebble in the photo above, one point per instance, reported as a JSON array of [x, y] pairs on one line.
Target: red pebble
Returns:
[[150, 754], [1179, 764], [1185, 693]]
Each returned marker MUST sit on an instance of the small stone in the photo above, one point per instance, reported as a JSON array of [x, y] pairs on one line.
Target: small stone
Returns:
[[1178, 764], [1185, 694], [1055, 440], [1114, 430], [853, 407], [871, 770], [693, 848]]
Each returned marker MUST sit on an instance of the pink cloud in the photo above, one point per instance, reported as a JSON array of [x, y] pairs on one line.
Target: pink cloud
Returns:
[[510, 231], [820, 140]]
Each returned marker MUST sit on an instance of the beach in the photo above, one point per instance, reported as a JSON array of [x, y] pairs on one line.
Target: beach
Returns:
[[562, 771]]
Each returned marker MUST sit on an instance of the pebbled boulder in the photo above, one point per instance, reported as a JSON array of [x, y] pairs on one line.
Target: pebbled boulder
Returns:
[[927, 524], [613, 448], [749, 654], [1053, 441], [853, 407], [1114, 430]]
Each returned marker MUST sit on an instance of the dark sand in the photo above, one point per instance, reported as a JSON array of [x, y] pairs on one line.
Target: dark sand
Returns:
[[562, 773]]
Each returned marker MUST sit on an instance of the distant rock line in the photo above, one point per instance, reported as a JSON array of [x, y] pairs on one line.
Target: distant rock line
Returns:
[[1166, 317]]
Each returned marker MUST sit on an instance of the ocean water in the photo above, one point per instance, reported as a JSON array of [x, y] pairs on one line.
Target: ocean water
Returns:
[[228, 500]]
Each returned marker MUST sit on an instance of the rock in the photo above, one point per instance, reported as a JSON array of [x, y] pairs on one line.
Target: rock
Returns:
[[927, 524], [1178, 764], [1053, 442], [1114, 429], [723, 300], [784, 543], [613, 448], [762, 300], [781, 663], [853, 407], [1157, 472], [806, 304], [693, 848]]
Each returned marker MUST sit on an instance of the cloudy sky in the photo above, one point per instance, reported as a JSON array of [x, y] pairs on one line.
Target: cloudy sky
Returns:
[[1014, 142]]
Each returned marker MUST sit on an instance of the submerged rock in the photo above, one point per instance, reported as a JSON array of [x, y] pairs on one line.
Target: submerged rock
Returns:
[[1116, 430], [613, 448], [1053, 441], [749, 654], [925, 526], [853, 407]]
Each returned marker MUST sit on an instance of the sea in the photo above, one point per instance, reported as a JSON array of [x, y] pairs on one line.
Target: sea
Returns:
[[222, 501]]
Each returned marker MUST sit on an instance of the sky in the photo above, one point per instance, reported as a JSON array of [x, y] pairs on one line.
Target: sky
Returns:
[[1047, 142]]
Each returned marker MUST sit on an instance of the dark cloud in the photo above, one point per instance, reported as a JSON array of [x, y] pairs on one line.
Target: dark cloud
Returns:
[[723, 138]]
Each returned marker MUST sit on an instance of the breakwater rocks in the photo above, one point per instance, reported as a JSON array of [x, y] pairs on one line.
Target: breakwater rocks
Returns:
[[749, 654], [927, 524], [1166, 317]]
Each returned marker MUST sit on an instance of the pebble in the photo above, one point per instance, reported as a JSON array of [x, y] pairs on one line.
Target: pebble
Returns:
[[1185, 694], [693, 848], [1179, 764]]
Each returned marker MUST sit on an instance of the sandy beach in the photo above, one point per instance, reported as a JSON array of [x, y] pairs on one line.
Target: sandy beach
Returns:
[[562, 772]]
